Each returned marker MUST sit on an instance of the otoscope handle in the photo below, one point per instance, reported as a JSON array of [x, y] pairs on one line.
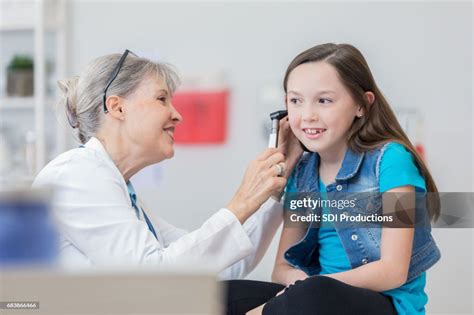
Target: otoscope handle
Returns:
[[275, 117]]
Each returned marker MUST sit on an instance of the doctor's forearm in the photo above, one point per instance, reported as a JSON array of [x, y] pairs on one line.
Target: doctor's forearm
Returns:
[[260, 228]]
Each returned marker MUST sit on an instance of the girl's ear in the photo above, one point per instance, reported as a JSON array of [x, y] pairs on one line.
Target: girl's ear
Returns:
[[369, 97]]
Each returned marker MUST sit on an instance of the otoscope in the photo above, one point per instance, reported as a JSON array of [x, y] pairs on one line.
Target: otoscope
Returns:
[[275, 117]]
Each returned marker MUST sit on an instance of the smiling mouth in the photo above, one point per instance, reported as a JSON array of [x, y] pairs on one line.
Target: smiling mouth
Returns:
[[170, 132], [314, 131]]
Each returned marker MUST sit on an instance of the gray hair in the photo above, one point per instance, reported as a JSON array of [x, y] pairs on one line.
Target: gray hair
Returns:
[[83, 95]]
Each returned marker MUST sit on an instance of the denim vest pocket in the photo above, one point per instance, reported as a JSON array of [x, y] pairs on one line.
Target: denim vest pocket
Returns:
[[368, 202], [305, 254]]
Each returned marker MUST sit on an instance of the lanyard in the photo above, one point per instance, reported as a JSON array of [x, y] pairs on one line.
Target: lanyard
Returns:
[[133, 198]]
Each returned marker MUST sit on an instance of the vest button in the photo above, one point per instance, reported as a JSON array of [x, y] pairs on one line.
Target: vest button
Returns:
[[354, 237], [339, 187], [287, 254], [365, 261]]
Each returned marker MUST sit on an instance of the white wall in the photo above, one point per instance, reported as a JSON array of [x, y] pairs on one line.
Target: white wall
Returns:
[[420, 54]]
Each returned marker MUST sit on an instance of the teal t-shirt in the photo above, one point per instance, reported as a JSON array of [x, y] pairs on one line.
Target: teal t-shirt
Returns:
[[397, 169]]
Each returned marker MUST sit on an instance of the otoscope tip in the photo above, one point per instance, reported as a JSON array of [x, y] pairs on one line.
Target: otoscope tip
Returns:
[[278, 114]]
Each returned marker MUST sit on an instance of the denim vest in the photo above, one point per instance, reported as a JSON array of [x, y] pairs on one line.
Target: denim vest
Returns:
[[359, 173]]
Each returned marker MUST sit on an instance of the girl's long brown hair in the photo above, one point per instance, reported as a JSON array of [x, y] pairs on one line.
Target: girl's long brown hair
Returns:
[[379, 124]]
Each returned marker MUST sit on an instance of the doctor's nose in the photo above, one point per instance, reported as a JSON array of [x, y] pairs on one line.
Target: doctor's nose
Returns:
[[175, 115]]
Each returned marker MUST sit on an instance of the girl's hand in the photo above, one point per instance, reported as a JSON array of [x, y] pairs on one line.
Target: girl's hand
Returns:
[[261, 180], [294, 275], [256, 311], [289, 145]]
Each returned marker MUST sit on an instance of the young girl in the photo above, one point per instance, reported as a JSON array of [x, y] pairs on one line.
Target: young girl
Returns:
[[355, 144]]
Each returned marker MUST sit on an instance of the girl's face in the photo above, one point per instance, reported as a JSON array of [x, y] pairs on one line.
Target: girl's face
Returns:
[[152, 120], [320, 108]]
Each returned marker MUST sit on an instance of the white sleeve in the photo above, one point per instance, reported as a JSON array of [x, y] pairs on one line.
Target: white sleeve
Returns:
[[167, 232], [261, 228], [95, 215]]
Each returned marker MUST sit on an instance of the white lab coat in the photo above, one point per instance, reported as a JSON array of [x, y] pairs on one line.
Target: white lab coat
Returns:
[[98, 225]]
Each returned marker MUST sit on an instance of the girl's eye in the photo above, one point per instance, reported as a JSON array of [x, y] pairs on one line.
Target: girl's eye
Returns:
[[324, 101], [294, 100]]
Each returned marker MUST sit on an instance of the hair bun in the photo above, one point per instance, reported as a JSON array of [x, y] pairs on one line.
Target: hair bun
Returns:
[[68, 88]]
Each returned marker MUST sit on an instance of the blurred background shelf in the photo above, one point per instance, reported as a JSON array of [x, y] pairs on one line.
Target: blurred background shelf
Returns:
[[29, 128], [12, 103], [22, 103]]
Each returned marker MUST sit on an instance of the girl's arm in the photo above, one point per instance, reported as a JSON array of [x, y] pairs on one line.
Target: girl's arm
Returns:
[[391, 270], [283, 273]]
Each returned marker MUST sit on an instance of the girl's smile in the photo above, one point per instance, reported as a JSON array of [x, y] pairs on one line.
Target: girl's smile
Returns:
[[314, 133]]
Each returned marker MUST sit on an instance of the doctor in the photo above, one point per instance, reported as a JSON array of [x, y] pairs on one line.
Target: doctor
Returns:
[[121, 108]]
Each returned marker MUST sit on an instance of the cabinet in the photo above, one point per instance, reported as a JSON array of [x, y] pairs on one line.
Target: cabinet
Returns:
[[32, 130]]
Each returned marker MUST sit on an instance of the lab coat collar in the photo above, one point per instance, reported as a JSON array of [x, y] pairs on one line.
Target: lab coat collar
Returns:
[[95, 145]]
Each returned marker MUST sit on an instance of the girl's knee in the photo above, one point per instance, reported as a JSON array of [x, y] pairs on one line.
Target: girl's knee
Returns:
[[317, 283], [316, 287], [315, 293]]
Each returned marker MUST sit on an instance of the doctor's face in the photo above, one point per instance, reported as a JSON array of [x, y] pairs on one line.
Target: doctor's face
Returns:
[[151, 120]]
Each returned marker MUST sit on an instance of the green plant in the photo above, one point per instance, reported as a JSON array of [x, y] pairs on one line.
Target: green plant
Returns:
[[21, 62]]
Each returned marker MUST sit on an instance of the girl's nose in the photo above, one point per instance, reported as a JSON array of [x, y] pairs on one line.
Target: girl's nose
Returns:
[[309, 113]]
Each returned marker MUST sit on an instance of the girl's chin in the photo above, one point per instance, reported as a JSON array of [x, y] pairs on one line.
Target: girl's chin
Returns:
[[314, 147], [311, 145]]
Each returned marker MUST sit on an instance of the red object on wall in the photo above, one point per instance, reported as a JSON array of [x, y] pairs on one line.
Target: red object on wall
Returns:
[[421, 151], [204, 116]]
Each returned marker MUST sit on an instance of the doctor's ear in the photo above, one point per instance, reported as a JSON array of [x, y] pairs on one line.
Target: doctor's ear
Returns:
[[115, 106]]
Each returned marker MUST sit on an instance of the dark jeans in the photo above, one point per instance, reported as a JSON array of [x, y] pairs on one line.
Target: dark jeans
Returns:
[[316, 295]]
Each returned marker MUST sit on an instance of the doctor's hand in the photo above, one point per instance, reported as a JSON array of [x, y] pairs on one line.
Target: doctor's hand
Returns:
[[289, 145], [262, 179]]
